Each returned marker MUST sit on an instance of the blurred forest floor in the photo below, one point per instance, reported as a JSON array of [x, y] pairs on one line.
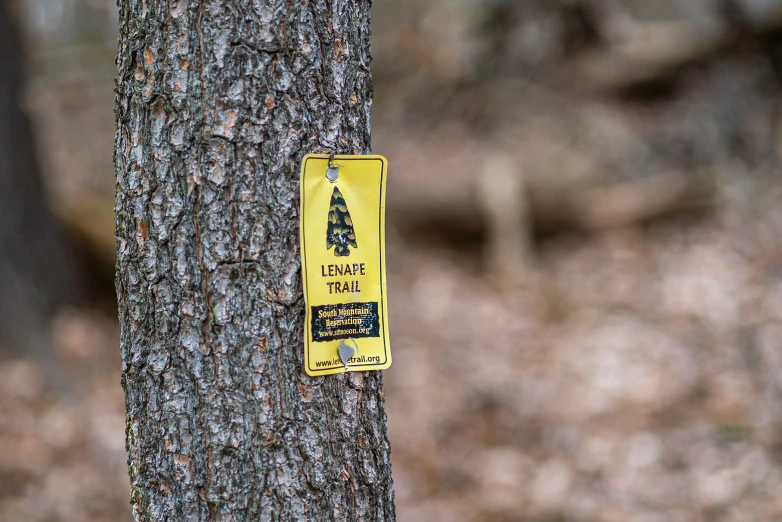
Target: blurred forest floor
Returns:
[[574, 339]]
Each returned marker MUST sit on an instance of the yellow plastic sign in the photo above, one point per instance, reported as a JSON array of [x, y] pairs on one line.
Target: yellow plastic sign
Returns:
[[342, 233]]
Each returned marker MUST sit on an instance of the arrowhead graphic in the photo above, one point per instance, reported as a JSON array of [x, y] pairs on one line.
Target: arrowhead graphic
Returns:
[[340, 233]]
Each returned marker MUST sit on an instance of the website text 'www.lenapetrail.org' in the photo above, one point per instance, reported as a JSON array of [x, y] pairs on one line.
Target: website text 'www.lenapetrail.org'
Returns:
[[361, 359]]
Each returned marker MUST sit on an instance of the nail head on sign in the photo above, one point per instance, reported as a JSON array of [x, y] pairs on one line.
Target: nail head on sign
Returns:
[[332, 173], [346, 352]]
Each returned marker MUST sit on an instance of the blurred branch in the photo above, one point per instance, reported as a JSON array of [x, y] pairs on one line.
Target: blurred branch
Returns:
[[643, 52], [638, 200], [92, 221], [571, 208]]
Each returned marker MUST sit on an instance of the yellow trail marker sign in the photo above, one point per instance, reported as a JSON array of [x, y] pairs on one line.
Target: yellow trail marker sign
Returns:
[[343, 237]]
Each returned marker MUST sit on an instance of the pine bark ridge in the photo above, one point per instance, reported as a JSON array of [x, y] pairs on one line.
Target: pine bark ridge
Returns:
[[216, 104]]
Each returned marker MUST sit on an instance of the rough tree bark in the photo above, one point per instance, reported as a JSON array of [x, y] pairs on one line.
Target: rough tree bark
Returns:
[[217, 102]]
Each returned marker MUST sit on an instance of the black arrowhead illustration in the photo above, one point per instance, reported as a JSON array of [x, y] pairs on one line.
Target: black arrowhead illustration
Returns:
[[340, 233]]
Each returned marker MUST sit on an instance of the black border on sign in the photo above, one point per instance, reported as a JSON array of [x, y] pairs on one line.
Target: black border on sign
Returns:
[[306, 272]]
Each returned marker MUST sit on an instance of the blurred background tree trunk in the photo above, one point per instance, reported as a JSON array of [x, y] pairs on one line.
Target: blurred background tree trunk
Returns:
[[216, 106], [36, 270]]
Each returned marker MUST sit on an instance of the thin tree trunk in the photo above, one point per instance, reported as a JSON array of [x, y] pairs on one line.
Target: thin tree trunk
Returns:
[[217, 102], [36, 268]]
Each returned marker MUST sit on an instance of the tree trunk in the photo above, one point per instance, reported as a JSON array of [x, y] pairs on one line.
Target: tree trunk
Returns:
[[36, 270], [217, 103]]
